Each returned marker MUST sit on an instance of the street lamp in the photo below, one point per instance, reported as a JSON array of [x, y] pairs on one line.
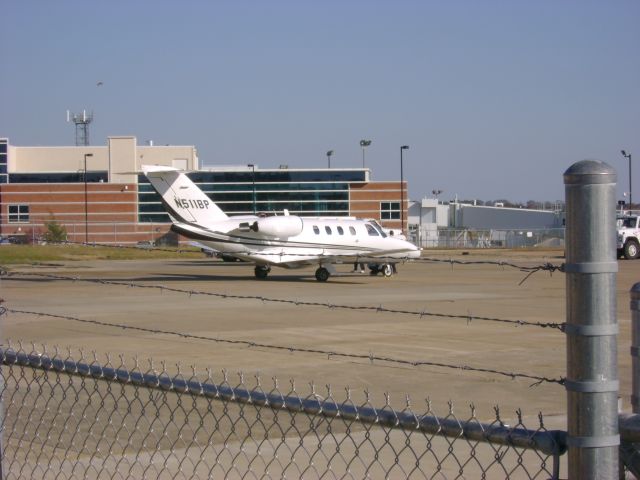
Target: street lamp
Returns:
[[253, 180], [403, 147], [364, 144], [628, 156], [86, 211], [329, 153]]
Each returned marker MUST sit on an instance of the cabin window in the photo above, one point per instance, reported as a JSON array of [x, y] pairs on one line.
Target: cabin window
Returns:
[[327, 229], [390, 210], [352, 230], [18, 213], [371, 231], [340, 231], [316, 230]]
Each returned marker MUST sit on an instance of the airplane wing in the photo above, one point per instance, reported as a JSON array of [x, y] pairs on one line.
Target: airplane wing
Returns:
[[287, 259], [313, 256]]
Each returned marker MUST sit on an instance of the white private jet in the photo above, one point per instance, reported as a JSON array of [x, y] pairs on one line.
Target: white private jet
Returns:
[[287, 241]]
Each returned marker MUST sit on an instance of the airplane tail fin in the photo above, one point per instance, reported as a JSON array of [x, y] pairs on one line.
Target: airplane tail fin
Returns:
[[182, 198]]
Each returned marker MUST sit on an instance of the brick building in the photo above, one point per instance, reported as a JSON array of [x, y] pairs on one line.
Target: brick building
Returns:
[[95, 193]]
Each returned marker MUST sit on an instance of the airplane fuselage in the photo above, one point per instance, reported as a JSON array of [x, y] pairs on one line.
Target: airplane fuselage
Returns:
[[319, 238]]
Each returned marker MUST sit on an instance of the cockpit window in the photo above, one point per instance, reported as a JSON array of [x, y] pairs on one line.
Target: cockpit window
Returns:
[[371, 231], [377, 226]]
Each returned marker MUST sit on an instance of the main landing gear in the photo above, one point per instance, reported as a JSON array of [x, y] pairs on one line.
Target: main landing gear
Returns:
[[322, 274], [261, 271]]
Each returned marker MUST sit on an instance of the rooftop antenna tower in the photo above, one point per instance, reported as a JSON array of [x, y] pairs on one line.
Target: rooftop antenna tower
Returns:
[[82, 121]]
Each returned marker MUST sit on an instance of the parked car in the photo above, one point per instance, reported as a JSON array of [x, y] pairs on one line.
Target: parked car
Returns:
[[18, 239]]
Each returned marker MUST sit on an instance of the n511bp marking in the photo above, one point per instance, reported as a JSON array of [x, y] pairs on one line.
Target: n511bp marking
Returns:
[[189, 203]]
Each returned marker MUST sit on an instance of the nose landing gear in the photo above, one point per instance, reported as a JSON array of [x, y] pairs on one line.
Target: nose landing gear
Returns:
[[261, 271], [386, 269]]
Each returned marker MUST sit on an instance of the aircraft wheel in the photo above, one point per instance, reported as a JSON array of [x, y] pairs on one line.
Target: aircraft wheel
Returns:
[[322, 274], [387, 270], [261, 271]]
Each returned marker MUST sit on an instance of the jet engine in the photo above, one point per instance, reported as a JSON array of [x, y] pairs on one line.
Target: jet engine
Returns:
[[287, 226]]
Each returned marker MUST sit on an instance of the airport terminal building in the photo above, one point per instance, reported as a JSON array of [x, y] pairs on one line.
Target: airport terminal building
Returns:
[[95, 193]]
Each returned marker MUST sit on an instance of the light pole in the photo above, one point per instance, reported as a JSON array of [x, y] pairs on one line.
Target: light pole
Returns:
[[364, 144], [403, 147], [628, 156], [253, 180], [86, 211], [329, 153]]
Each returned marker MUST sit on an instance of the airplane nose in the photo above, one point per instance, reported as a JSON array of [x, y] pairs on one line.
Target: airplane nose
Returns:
[[413, 251]]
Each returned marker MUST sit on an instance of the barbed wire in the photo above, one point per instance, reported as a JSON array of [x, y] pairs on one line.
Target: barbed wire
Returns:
[[548, 266], [292, 349], [468, 317], [190, 249]]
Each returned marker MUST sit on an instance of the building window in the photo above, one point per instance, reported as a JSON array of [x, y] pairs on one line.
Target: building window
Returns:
[[18, 213], [390, 210]]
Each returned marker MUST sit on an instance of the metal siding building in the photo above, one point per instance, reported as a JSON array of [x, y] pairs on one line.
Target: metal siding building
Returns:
[[485, 217]]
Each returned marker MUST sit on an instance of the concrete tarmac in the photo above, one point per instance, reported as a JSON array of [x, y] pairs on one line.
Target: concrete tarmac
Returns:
[[472, 291]]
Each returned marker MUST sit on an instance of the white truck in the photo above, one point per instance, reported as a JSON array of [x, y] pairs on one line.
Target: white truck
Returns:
[[629, 236]]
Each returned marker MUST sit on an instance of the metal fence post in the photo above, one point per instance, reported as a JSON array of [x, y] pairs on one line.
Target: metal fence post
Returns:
[[592, 372], [635, 347], [3, 395]]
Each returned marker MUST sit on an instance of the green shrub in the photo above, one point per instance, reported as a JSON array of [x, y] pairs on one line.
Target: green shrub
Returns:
[[55, 233]]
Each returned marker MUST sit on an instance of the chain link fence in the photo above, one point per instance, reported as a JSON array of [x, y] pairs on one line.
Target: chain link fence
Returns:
[[108, 233], [490, 238], [127, 233], [68, 418]]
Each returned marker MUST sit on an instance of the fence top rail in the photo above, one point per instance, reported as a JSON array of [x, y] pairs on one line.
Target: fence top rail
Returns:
[[549, 442]]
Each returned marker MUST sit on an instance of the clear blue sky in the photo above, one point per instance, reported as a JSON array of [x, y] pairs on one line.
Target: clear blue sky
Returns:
[[495, 98]]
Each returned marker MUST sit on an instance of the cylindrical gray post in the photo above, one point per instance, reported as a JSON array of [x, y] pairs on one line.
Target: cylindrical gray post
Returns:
[[592, 328], [3, 371], [635, 347]]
